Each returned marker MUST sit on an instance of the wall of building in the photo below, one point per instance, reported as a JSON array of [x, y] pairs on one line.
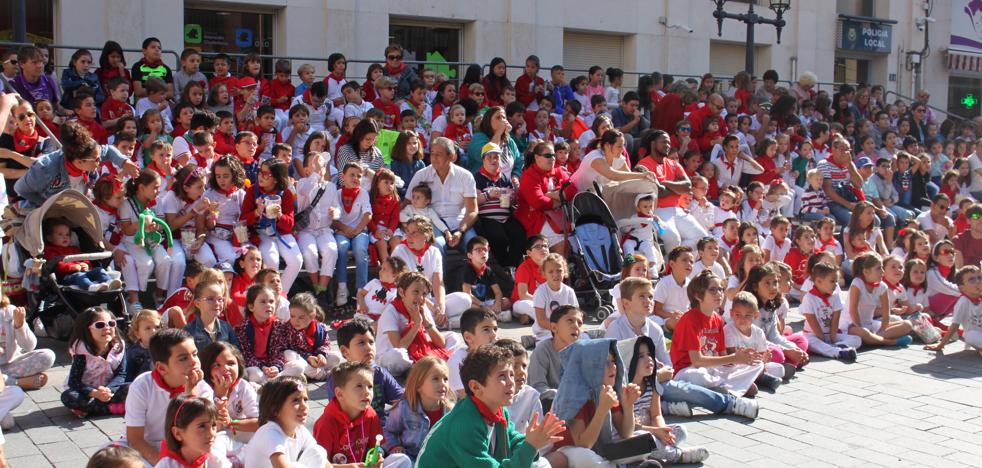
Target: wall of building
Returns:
[[514, 28]]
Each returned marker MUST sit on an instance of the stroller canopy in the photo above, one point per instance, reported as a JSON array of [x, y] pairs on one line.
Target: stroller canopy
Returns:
[[70, 205], [620, 196]]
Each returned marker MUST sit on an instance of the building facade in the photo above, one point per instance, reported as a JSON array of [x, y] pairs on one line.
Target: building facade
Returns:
[[902, 45]]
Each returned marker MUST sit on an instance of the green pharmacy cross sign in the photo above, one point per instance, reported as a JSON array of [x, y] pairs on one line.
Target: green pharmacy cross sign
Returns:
[[969, 101]]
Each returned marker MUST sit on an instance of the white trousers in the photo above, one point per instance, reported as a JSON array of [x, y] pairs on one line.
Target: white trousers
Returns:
[[272, 248], [297, 364], [223, 249], [680, 227], [159, 264], [318, 244], [735, 379], [822, 348]]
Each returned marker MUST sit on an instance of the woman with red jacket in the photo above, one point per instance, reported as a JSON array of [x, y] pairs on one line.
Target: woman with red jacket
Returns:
[[268, 209], [538, 194]]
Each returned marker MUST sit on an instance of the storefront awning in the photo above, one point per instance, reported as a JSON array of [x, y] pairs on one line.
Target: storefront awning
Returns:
[[964, 62]]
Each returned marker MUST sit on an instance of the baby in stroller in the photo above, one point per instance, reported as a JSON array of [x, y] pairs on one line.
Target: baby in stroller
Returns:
[[57, 238]]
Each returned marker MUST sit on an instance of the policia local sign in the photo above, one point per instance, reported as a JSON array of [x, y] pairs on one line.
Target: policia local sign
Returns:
[[864, 36]]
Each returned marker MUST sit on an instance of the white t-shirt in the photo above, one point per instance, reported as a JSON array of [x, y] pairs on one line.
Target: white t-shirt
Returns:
[[146, 406], [300, 450], [699, 266], [525, 403], [585, 175], [674, 297], [392, 320], [181, 146], [736, 339], [869, 303], [726, 176], [456, 359], [968, 315], [359, 207], [430, 263], [230, 206], [449, 194], [813, 305], [777, 251], [548, 300], [213, 461], [378, 296], [927, 224], [307, 188], [172, 205]]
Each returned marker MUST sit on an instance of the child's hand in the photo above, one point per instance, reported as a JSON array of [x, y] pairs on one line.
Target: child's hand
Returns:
[[192, 379], [936, 347], [20, 315], [221, 383], [608, 397], [103, 394], [663, 434], [664, 374], [744, 356], [796, 355], [271, 372], [631, 394], [224, 419], [539, 434]]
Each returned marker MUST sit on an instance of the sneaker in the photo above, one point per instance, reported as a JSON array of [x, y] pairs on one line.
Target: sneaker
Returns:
[[115, 284], [98, 287], [341, 298], [769, 381], [528, 341], [117, 409], [847, 355], [7, 423], [689, 455], [504, 316], [745, 407], [678, 408], [79, 413], [789, 371], [904, 340]]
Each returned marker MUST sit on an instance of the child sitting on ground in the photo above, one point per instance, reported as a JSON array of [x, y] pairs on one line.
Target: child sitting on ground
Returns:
[[528, 277], [968, 310], [822, 309], [867, 298], [708, 248], [57, 244], [566, 322], [478, 327], [310, 342], [348, 427], [481, 283], [96, 381], [525, 403], [551, 294], [379, 292], [142, 328], [427, 399], [671, 300], [777, 245], [185, 444], [741, 333], [263, 338], [477, 430], [356, 340], [407, 331], [282, 438], [204, 325], [237, 400], [767, 283]]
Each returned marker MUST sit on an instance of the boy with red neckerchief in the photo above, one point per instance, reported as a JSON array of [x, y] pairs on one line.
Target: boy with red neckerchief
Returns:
[[176, 371], [477, 432], [406, 330], [386, 89], [480, 282], [822, 309], [968, 310]]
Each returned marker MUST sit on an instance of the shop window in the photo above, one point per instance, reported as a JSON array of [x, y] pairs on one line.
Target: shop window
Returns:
[[233, 32], [429, 44], [40, 21], [849, 70], [964, 95]]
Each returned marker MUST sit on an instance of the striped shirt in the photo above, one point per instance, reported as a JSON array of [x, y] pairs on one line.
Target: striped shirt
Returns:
[[812, 201]]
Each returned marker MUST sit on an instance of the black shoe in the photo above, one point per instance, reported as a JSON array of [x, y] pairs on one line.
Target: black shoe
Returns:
[[789, 371], [769, 381], [848, 355]]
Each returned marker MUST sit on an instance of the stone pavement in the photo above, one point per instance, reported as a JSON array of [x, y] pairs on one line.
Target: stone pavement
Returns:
[[893, 407]]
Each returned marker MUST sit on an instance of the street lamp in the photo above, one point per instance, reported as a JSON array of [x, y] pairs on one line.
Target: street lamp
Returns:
[[752, 19]]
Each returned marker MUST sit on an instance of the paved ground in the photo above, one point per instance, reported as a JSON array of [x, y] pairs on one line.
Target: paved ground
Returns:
[[894, 407]]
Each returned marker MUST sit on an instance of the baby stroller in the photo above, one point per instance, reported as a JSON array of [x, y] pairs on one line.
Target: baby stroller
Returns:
[[622, 200], [594, 253], [51, 307]]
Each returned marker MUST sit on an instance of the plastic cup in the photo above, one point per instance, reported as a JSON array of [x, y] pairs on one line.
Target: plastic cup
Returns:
[[241, 232], [272, 205], [188, 238]]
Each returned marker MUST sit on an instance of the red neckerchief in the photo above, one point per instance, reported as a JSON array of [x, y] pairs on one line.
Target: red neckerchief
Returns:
[[76, 172], [826, 244], [645, 215], [24, 143], [422, 345], [824, 297], [309, 333], [728, 243], [731, 166], [245, 160], [166, 452], [395, 71], [348, 196], [419, 253], [387, 285], [834, 163], [490, 176], [895, 287], [336, 77], [153, 167], [944, 270], [479, 271], [229, 192], [105, 207], [490, 417], [975, 301], [261, 335], [872, 285], [864, 248], [159, 380], [753, 204], [914, 289]]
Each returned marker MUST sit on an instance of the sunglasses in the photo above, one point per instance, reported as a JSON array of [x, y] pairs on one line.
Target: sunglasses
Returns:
[[478, 94], [394, 57], [548, 155], [25, 115], [11, 61], [946, 252], [975, 216], [685, 129], [100, 324]]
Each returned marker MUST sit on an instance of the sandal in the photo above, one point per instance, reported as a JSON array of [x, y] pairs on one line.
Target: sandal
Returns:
[[33, 382]]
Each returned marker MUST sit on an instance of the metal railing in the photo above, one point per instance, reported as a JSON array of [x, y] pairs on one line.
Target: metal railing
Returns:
[[934, 108], [96, 50]]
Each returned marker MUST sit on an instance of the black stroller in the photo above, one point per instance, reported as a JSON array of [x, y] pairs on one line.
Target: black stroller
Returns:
[[52, 307]]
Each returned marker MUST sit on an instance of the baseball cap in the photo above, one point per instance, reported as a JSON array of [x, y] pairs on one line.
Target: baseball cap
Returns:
[[864, 162], [490, 148]]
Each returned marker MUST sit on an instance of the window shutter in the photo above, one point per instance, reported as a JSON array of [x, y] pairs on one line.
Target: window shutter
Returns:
[[583, 50]]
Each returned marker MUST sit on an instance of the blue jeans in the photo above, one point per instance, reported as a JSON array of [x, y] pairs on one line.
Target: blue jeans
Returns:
[[696, 396], [85, 279], [902, 215], [441, 241], [359, 245], [887, 220], [811, 216], [840, 213]]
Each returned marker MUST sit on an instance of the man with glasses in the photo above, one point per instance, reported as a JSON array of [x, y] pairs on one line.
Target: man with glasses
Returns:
[[396, 69], [714, 105], [840, 173], [968, 244], [454, 193], [935, 221], [9, 61]]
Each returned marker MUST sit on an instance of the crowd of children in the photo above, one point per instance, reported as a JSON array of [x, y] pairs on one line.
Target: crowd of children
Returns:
[[217, 192]]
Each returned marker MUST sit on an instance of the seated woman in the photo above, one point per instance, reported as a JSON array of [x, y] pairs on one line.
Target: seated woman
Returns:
[[539, 196], [605, 163], [496, 220], [19, 149]]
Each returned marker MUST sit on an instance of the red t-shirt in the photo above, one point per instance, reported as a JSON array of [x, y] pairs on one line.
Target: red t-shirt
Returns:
[[586, 415], [697, 331], [528, 272], [275, 90], [798, 262], [391, 111], [970, 247], [669, 170], [113, 109], [98, 132]]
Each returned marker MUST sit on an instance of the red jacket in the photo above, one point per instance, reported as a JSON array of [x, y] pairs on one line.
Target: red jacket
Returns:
[[667, 113], [385, 213], [533, 202], [275, 90], [284, 225], [340, 435], [224, 144], [113, 109], [63, 268], [99, 133], [525, 89], [696, 118]]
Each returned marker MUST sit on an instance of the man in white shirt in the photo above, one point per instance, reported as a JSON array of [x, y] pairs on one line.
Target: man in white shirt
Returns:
[[454, 192]]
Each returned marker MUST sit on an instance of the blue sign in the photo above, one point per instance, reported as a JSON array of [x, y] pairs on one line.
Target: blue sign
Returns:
[[863, 36], [243, 37]]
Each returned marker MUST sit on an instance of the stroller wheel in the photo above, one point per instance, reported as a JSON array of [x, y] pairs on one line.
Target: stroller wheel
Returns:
[[603, 312], [61, 326]]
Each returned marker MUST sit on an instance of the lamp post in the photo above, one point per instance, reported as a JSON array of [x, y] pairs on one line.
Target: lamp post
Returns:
[[753, 19]]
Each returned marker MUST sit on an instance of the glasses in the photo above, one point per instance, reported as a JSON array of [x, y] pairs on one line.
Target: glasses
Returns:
[[394, 57], [943, 207], [478, 93], [715, 290], [214, 299], [946, 252], [540, 247], [548, 155], [266, 173], [685, 129], [25, 115], [101, 324], [975, 216]]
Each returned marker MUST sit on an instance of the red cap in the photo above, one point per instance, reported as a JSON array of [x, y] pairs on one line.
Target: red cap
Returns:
[[246, 81]]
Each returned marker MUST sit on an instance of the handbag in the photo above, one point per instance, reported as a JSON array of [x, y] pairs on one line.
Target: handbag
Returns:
[[630, 450], [302, 219]]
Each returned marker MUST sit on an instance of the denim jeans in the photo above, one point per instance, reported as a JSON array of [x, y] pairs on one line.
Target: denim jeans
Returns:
[[359, 245], [840, 213], [441, 241], [902, 215], [676, 390], [85, 279], [811, 216]]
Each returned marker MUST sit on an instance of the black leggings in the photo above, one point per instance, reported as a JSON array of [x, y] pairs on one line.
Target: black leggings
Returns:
[[73, 399], [508, 240]]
